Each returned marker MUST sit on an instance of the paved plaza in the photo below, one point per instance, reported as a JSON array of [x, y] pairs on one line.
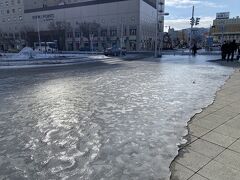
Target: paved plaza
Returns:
[[213, 148]]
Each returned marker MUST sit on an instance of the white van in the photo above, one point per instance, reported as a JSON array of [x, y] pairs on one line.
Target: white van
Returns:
[[49, 47]]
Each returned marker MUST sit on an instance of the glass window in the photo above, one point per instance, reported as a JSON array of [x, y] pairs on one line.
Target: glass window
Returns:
[[113, 32], [133, 32], [77, 34], [104, 33]]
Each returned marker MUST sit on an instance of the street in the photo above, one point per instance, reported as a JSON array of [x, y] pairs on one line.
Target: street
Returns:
[[111, 119]]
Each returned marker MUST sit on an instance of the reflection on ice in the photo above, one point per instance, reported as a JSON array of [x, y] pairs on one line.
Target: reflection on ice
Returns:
[[121, 124]]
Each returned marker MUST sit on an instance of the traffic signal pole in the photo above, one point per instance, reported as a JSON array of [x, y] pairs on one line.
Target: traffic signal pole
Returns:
[[192, 24], [157, 29]]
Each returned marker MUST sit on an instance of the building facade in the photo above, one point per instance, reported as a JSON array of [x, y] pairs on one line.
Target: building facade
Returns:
[[86, 24], [11, 19], [226, 29]]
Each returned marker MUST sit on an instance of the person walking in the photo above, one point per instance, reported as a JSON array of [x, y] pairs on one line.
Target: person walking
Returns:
[[224, 50], [233, 49], [238, 53], [194, 49], [228, 50]]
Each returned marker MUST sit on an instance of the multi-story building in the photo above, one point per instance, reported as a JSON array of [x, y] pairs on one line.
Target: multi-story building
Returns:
[[181, 38], [225, 28], [79, 24], [11, 19]]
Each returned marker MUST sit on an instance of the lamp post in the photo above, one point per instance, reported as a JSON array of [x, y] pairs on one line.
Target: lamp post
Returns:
[[159, 14], [91, 41], [222, 31], [39, 36]]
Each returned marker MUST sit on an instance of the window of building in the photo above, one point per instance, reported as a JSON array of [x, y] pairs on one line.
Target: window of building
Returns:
[[17, 35], [11, 35], [125, 31], [77, 34], [95, 33], [104, 33], [133, 32], [113, 32], [69, 35]]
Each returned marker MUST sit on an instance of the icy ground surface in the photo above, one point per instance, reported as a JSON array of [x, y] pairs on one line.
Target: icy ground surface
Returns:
[[105, 121]]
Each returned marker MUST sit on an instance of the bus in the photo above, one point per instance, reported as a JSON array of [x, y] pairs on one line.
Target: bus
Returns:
[[47, 47]]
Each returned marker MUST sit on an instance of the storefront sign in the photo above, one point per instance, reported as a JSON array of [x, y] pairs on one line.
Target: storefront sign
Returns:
[[44, 17], [223, 15]]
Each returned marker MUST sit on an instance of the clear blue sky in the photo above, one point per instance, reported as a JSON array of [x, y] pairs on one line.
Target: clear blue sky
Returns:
[[180, 11]]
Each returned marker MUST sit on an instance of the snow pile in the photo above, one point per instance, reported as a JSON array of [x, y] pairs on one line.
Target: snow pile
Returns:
[[25, 53], [28, 53]]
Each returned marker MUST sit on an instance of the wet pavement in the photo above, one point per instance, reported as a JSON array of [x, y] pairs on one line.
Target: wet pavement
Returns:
[[105, 120]]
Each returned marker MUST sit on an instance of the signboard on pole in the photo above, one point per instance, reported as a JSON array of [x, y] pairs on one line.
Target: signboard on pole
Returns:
[[210, 41], [223, 15]]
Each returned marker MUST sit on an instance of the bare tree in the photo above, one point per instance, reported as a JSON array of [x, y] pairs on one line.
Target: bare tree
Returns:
[[89, 30], [59, 31], [24, 34], [1, 40]]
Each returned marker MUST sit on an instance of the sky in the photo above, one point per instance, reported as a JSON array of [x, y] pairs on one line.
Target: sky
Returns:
[[180, 11]]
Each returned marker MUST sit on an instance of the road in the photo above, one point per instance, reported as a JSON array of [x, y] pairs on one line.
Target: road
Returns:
[[111, 119]]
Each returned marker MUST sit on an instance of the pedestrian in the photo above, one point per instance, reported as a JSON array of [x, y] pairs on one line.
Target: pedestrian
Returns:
[[233, 49], [238, 53], [224, 50], [228, 51], [194, 49]]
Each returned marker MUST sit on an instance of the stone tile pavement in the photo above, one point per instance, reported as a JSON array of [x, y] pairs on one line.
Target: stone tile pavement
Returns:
[[213, 148]]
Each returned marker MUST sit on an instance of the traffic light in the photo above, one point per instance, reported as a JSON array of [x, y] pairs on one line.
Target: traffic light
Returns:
[[197, 21], [192, 21]]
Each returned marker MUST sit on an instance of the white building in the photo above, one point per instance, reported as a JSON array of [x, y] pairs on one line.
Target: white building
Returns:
[[126, 23], [11, 19]]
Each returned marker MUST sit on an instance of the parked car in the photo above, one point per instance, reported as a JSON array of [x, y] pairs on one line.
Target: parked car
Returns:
[[115, 51]]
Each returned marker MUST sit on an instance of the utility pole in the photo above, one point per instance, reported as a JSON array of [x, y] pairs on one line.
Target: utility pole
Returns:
[[39, 36], [159, 35], [121, 39], [161, 9], [157, 28], [192, 22], [91, 41], [222, 29]]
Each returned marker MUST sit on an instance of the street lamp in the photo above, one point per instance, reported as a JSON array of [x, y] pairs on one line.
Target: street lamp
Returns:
[[39, 36], [222, 31], [91, 36], [160, 14]]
